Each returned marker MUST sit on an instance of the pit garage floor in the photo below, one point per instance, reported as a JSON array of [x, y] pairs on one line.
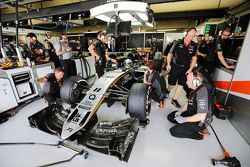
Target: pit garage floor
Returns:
[[154, 145]]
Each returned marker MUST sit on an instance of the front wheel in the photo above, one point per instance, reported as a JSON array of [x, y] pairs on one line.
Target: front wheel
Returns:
[[139, 104], [72, 90]]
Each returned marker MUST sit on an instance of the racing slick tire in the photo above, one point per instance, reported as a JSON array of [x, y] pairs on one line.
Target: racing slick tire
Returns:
[[138, 103], [71, 91]]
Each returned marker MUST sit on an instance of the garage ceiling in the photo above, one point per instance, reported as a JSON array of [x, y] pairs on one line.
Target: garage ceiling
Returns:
[[182, 5], [164, 9], [194, 5]]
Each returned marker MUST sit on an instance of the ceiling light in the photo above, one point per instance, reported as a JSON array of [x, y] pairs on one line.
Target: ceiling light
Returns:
[[143, 16], [127, 17], [105, 18], [150, 24], [136, 23], [136, 12], [119, 6], [167, 30]]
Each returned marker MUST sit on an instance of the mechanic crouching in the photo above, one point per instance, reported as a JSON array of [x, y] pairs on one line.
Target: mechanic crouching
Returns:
[[193, 118], [157, 84], [52, 84]]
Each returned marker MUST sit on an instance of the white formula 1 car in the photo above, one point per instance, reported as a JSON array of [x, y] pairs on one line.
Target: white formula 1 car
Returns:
[[114, 138]]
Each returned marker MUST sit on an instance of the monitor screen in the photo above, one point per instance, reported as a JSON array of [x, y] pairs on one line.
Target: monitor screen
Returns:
[[110, 31], [124, 28]]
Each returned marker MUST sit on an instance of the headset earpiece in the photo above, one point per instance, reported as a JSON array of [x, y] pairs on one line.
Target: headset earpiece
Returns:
[[195, 81], [34, 38]]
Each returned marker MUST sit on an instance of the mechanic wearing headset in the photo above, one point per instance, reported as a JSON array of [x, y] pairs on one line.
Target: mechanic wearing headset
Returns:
[[184, 57], [196, 115], [52, 84], [38, 49], [98, 52]]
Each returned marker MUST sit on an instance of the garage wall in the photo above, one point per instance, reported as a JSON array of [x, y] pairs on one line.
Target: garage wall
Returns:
[[239, 95]]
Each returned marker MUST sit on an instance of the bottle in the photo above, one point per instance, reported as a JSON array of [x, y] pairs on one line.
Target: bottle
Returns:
[[28, 61]]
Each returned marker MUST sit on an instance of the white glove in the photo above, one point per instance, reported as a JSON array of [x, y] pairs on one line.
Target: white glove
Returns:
[[178, 113], [180, 119]]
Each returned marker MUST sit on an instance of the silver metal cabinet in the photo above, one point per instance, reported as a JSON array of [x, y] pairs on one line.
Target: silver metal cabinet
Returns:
[[7, 97]]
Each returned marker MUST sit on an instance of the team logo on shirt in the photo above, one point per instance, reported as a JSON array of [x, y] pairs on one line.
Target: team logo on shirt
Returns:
[[181, 46], [191, 49], [202, 103]]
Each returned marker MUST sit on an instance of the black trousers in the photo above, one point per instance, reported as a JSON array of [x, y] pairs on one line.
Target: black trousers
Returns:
[[69, 67], [185, 130], [55, 59], [51, 91], [99, 70]]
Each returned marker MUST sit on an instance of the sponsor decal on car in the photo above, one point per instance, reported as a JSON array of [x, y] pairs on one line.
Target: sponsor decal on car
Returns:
[[84, 107], [92, 97]]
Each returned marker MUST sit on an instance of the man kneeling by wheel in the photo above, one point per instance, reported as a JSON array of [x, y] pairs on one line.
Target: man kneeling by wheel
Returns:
[[196, 115]]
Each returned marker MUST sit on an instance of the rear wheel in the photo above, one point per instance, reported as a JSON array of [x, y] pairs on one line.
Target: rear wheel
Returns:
[[72, 90], [138, 101]]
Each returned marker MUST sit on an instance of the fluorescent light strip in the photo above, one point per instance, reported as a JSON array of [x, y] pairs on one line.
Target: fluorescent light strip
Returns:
[[119, 6], [150, 24], [127, 17], [136, 23], [104, 18], [143, 16]]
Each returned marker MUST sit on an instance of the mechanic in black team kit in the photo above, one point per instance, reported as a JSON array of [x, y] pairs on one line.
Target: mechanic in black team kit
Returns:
[[202, 50], [184, 60], [196, 115], [52, 84], [98, 52], [223, 47], [37, 48]]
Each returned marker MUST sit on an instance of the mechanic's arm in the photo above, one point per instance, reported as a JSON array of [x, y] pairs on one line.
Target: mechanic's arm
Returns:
[[168, 63], [197, 117], [110, 59], [68, 49], [192, 64], [201, 54], [184, 107], [42, 80], [59, 51], [145, 80], [46, 60], [222, 60], [169, 57], [93, 52]]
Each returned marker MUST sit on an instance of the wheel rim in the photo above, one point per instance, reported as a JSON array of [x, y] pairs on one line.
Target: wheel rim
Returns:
[[77, 90]]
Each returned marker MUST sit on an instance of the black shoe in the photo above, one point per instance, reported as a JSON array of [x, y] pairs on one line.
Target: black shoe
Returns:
[[175, 103]]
